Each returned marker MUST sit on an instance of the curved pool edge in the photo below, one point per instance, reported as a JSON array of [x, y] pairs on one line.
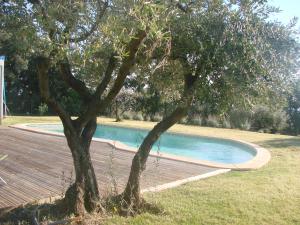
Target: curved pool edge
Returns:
[[261, 158]]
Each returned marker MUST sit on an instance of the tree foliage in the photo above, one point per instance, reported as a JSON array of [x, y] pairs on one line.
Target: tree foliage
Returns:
[[88, 48], [293, 109]]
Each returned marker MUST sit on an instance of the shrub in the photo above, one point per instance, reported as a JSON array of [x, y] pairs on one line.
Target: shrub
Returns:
[[43, 109], [246, 125], [280, 121], [183, 121], [194, 120], [224, 123], [146, 118], [156, 118], [264, 120], [239, 118], [138, 116], [127, 116], [212, 121]]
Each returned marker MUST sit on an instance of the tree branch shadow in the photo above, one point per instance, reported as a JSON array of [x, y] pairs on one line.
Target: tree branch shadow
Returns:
[[288, 142], [28, 213]]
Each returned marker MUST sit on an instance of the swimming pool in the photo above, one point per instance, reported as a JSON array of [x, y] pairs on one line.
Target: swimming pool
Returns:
[[193, 147]]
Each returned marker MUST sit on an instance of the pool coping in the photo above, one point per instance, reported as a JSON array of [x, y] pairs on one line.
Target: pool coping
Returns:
[[261, 158]]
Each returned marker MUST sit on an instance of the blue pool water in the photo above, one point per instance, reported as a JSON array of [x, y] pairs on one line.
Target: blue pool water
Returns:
[[194, 147]]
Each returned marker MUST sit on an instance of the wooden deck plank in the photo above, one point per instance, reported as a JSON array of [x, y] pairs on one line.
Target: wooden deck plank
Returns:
[[36, 163]]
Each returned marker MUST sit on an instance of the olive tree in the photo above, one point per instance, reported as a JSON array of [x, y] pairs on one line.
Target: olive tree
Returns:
[[221, 52], [93, 46]]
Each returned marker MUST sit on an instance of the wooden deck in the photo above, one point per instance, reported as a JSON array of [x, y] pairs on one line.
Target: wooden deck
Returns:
[[40, 166]]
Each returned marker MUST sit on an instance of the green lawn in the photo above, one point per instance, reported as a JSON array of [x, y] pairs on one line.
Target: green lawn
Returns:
[[270, 195]]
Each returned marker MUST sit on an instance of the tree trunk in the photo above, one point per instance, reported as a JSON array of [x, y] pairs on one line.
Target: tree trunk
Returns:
[[131, 196], [83, 195]]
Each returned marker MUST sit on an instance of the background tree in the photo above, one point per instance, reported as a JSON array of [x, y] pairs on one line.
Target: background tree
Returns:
[[221, 53], [21, 79], [125, 101], [19, 85], [293, 109]]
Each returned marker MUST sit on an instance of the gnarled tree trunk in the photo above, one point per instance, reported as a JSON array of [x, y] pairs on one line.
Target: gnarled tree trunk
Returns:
[[84, 193]]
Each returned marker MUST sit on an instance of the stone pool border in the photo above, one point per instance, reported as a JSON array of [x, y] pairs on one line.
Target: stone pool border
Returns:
[[261, 158]]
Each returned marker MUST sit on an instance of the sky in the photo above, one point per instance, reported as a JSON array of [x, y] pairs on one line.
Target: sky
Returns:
[[290, 9]]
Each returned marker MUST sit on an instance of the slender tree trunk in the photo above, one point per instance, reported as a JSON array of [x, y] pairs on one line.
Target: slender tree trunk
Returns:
[[131, 195], [83, 195]]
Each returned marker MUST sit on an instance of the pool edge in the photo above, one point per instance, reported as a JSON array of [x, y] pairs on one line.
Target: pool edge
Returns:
[[261, 158]]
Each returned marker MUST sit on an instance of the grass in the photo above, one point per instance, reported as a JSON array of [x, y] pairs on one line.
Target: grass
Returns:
[[270, 195], [11, 120]]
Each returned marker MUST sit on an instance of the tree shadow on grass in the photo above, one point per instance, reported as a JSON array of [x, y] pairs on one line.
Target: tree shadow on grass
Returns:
[[33, 213], [56, 213], [288, 142]]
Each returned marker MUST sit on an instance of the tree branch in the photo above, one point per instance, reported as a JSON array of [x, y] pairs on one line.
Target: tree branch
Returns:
[[185, 6], [128, 62], [107, 77], [75, 84], [100, 14], [51, 30], [127, 65], [43, 65], [64, 65]]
